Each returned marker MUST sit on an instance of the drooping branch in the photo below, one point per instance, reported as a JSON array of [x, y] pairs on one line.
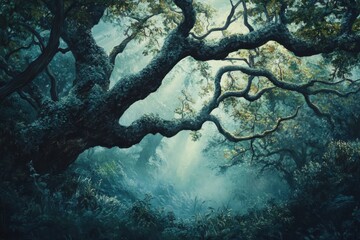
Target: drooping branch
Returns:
[[315, 108], [40, 63], [153, 124], [243, 93], [234, 138]]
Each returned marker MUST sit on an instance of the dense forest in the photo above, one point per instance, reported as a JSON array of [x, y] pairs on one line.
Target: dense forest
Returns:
[[180, 119]]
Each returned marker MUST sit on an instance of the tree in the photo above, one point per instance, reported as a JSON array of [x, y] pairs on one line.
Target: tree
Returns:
[[59, 128]]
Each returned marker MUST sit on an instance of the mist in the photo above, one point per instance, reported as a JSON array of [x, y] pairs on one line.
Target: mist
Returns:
[[179, 120], [184, 177]]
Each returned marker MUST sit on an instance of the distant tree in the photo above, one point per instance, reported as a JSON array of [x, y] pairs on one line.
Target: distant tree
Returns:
[[51, 129]]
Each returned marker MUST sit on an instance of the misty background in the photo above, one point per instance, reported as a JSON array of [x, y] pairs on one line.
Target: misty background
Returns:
[[182, 174]]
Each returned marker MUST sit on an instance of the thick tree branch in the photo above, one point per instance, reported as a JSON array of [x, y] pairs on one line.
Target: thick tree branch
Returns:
[[121, 136], [153, 124], [39, 64], [92, 64], [177, 46], [138, 86], [278, 32], [189, 16]]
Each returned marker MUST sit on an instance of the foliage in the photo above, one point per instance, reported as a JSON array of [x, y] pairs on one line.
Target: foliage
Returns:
[[323, 205], [68, 108]]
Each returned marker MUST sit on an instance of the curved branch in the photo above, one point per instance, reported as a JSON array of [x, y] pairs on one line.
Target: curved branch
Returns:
[[335, 92], [8, 55], [237, 94], [246, 21], [178, 46], [315, 108], [258, 95], [313, 82], [35, 33], [227, 23], [121, 47], [272, 78], [189, 16], [49, 73], [278, 32], [233, 138], [121, 136], [39, 64], [64, 50], [138, 86]]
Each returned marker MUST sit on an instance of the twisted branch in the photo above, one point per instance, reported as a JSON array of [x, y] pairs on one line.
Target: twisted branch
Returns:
[[40, 63], [228, 22]]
